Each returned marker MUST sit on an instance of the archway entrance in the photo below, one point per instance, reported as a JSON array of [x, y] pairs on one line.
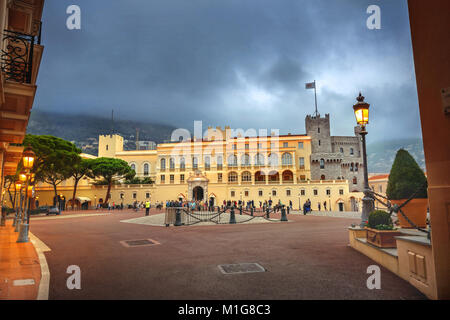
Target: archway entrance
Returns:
[[198, 193]]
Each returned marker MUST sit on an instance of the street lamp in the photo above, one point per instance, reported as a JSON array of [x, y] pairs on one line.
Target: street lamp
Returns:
[[361, 109], [16, 223], [28, 157]]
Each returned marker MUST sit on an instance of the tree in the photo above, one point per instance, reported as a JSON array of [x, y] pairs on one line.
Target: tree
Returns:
[[79, 170], [110, 170], [405, 178], [54, 158]]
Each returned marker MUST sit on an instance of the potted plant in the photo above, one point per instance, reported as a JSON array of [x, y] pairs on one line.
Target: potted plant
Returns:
[[380, 230], [405, 180]]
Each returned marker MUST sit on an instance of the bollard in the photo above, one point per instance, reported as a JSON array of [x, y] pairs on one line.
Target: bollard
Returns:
[[232, 217], [218, 209], [251, 211], [240, 210], [268, 213], [177, 218], [288, 209], [283, 214]]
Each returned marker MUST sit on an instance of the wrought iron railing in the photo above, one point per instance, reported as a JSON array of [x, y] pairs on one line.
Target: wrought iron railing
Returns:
[[16, 56]]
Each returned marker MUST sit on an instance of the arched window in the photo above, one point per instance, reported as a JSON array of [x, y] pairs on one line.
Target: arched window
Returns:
[[355, 181], [352, 152], [341, 150], [322, 164], [351, 167], [259, 159], [245, 160], [232, 160], [182, 163], [146, 169], [286, 159], [194, 162], [356, 167], [219, 160], [163, 164], [172, 163], [273, 160], [207, 162], [133, 167], [322, 177], [232, 177], [246, 176]]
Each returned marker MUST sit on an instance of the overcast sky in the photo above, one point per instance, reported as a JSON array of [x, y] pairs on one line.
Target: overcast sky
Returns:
[[242, 63]]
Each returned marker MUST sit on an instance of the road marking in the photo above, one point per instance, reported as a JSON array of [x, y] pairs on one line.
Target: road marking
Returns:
[[23, 282], [44, 284]]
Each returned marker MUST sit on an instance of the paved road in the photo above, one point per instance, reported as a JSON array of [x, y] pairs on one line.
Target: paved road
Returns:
[[305, 259]]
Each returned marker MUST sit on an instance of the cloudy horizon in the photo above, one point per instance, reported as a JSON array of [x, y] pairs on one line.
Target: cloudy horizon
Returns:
[[228, 62]]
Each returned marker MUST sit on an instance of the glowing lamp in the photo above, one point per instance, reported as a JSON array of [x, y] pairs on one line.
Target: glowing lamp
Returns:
[[28, 158], [361, 110], [18, 185], [22, 177]]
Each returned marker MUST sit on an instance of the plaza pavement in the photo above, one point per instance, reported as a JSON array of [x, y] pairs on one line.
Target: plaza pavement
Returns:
[[308, 258]]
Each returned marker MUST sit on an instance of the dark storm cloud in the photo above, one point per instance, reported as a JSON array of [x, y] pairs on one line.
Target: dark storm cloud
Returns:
[[228, 62]]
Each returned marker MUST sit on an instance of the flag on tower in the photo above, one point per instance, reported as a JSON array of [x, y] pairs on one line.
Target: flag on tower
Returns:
[[311, 85]]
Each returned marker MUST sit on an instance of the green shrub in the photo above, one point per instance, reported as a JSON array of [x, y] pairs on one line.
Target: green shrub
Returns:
[[380, 220], [405, 178]]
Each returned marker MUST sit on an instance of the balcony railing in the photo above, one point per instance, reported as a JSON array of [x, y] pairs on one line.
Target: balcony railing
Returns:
[[16, 59]]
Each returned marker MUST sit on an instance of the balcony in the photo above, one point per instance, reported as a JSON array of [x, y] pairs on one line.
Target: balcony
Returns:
[[17, 56]]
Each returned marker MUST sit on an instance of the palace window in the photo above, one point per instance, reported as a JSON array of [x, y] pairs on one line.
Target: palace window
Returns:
[[356, 167], [259, 159], [274, 193], [328, 192], [286, 159], [341, 191], [315, 192], [285, 144], [182, 178], [134, 195], [172, 178], [163, 178], [232, 160], [245, 160], [322, 164], [301, 162], [121, 195], [300, 145], [182, 163], [194, 162], [219, 161], [163, 164], [146, 169], [147, 195], [260, 193], [288, 193], [380, 188], [352, 152], [232, 177], [172, 163], [319, 142], [233, 193], [133, 167], [207, 163], [302, 178], [322, 177], [302, 192], [273, 160], [351, 167], [219, 177], [247, 146], [355, 181], [246, 193], [341, 150], [246, 176]]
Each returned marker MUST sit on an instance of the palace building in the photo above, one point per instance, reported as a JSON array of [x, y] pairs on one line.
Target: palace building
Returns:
[[223, 165]]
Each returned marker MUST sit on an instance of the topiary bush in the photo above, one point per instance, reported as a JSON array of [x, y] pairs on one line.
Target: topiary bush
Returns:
[[380, 220], [405, 178]]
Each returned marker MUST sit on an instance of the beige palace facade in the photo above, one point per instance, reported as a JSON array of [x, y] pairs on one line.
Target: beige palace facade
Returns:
[[218, 167]]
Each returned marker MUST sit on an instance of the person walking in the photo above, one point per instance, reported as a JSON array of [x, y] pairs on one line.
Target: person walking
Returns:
[[325, 205], [318, 205], [147, 208]]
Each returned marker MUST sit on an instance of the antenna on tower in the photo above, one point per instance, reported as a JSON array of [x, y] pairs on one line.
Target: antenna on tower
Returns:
[[137, 138]]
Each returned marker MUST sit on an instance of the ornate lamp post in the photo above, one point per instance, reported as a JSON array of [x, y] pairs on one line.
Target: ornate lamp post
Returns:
[[361, 110], [28, 161]]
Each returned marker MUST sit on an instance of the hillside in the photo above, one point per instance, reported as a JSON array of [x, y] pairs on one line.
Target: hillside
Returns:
[[381, 155], [84, 130]]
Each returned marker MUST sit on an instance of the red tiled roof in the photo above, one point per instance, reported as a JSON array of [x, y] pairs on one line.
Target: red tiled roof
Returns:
[[380, 176]]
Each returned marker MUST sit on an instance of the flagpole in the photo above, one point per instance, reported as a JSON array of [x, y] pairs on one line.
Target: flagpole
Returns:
[[315, 96]]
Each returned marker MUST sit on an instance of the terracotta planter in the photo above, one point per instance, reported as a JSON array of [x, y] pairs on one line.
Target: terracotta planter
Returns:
[[415, 210], [382, 238]]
